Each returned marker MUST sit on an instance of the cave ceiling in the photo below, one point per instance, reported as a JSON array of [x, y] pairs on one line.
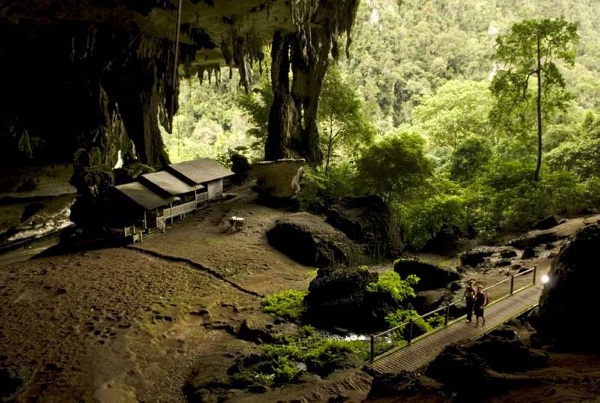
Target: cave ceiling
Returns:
[[99, 74], [205, 24]]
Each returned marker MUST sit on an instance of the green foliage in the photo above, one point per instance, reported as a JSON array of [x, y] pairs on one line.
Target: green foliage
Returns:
[[257, 105], [459, 109], [591, 193], [320, 354], [206, 124], [281, 364], [526, 53], [562, 192], [581, 156], [342, 125], [558, 134], [423, 218], [403, 316], [423, 66], [287, 304], [318, 190], [394, 166], [514, 202], [269, 371], [469, 158], [389, 282]]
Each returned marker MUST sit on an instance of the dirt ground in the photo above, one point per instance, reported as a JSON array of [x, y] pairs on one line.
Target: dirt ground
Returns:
[[132, 323]]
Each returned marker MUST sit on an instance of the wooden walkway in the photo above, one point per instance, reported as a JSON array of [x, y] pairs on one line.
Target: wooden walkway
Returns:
[[423, 350]]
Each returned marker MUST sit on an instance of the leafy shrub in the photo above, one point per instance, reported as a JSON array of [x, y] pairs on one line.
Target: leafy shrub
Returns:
[[394, 166], [422, 220], [320, 355], [312, 191], [281, 364], [287, 304], [318, 190], [581, 157], [420, 325], [390, 282], [469, 158]]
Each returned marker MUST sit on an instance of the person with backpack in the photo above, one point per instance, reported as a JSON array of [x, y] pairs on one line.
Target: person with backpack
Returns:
[[481, 300]]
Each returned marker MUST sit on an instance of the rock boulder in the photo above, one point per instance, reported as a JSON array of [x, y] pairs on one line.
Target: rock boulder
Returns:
[[278, 179], [430, 275], [367, 220], [310, 241], [571, 294]]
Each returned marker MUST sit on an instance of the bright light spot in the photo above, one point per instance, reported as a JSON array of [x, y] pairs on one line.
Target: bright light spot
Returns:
[[545, 278], [119, 163]]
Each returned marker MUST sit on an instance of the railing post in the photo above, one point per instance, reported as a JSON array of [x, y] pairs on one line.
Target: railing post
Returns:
[[512, 284], [447, 315], [372, 348], [534, 273], [410, 330]]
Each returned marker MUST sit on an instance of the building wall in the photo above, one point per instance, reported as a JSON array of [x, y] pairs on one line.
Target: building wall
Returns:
[[215, 189]]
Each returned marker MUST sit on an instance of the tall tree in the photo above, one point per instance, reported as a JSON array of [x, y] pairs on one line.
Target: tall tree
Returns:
[[341, 121], [528, 53]]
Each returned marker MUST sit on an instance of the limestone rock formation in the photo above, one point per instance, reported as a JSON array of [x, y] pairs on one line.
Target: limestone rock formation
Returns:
[[570, 296], [338, 297], [89, 82], [367, 220], [431, 276], [478, 255], [312, 242], [278, 179], [476, 369]]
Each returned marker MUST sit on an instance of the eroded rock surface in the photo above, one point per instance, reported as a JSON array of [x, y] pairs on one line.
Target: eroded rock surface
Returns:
[[571, 294], [278, 179], [312, 242], [367, 220], [430, 275]]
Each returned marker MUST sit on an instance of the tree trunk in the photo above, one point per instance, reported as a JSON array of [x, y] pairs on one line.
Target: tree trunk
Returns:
[[329, 147], [538, 167]]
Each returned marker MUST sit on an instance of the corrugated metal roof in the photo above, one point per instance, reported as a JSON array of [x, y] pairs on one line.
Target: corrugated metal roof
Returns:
[[169, 183], [143, 196], [201, 170]]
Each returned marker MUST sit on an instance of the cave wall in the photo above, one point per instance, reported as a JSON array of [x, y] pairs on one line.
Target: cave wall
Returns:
[[76, 85], [82, 93]]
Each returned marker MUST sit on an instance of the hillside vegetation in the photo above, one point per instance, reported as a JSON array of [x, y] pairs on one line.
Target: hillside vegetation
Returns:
[[419, 116]]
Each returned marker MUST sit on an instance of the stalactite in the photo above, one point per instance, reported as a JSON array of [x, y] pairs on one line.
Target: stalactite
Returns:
[[243, 61], [302, 14], [227, 55], [210, 70], [247, 49]]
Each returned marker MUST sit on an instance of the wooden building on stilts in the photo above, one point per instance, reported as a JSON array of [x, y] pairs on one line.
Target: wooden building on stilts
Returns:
[[146, 206]]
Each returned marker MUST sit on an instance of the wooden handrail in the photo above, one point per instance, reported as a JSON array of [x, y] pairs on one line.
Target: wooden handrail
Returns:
[[446, 308]]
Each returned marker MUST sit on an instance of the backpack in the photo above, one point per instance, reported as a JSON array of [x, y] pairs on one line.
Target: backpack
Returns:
[[485, 299]]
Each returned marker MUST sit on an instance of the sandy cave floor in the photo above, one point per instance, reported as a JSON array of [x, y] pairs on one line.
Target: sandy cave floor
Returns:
[[132, 323]]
